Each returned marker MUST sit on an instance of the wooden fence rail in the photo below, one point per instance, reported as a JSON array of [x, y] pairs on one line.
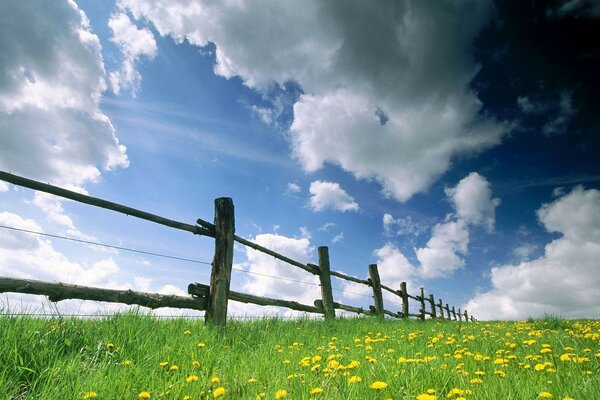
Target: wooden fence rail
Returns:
[[213, 298]]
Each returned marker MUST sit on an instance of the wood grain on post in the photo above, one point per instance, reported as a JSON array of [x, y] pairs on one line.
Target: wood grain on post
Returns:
[[422, 300], [220, 277], [404, 295], [377, 294], [324, 275], [432, 302]]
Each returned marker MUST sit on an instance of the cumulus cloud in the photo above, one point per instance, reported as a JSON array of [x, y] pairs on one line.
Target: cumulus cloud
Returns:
[[330, 195], [443, 253], [51, 80], [565, 280], [472, 199], [133, 43], [386, 91]]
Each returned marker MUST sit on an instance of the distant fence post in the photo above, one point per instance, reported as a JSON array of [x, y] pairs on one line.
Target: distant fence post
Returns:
[[459, 315], [377, 294], [220, 277], [404, 295], [441, 307], [454, 313], [422, 300], [432, 302], [447, 308], [325, 276], [466, 316]]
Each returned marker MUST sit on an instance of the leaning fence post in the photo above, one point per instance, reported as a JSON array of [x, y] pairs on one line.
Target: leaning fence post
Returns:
[[454, 313], [377, 294], [441, 306], [325, 276], [466, 316], [459, 315], [432, 301], [448, 312], [220, 276], [404, 295], [422, 300]]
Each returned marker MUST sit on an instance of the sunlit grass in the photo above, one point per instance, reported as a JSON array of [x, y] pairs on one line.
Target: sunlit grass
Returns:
[[131, 356]]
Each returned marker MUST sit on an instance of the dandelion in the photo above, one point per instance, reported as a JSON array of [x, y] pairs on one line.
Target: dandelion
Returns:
[[378, 385], [127, 363], [215, 379], [90, 395], [316, 390], [354, 379], [187, 332], [545, 395], [196, 364], [219, 392], [280, 394], [201, 344], [251, 380], [163, 363], [144, 395], [173, 368], [110, 346], [426, 396], [192, 378]]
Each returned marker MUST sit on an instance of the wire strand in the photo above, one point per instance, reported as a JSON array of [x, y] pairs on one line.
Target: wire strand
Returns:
[[110, 246]]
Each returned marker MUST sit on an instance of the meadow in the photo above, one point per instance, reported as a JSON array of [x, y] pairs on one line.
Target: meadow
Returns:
[[132, 356]]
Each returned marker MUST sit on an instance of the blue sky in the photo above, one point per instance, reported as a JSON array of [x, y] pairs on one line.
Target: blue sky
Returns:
[[455, 145]]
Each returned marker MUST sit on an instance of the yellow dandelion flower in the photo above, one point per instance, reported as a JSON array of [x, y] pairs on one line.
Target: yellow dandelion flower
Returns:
[[378, 385], [144, 394], [426, 396], [354, 379], [568, 398], [539, 367], [163, 363], [215, 379], [476, 381], [280, 394], [192, 378], [90, 395], [186, 398], [316, 390], [545, 395], [110, 346], [173, 368], [251, 380], [187, 332], [219, 392], [430, 391], [201, 344], [196, 364], [127, 363]]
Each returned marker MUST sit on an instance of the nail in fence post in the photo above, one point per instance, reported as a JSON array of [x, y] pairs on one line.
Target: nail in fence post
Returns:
[[377, 295], [325, 276], [432, 302], [220, 277], [422, 299], [404, 295]]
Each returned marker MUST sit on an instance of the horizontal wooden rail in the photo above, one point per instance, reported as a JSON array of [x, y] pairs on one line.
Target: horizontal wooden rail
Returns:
[[198, 289], [389, 289], [392, 314], [94, 201], [313, 269], [64, 291], [349, 278]]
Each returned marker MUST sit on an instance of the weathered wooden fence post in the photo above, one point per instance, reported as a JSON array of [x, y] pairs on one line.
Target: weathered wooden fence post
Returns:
[[454, 313], [404, 295], [377, 294], [432, 302], [459, 315], [466, 316], [447, 308], [325, 276], [422, 300], [441, 306], [220, 277]]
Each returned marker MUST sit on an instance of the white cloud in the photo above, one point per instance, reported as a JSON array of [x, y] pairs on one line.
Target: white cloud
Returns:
[[338, 238], [403, 226], [133, 43], [387, 98], [565, 280], [262, 268], [292, 189], [575, 8], [330, 195], [566, 110], [51, 80], [523, 252], [472, 199], [441, 255], [3, 187]]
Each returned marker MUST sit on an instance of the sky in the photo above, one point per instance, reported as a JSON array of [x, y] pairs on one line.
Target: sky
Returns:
[[454, 144]]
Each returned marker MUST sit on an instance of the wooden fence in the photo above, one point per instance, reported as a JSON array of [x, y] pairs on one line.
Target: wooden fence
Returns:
[[213, 298]]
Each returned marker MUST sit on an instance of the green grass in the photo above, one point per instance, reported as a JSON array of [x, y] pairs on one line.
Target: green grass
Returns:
[[67, 358]]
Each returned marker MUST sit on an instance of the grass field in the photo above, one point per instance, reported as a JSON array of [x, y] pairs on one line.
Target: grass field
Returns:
[[133, 356]]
